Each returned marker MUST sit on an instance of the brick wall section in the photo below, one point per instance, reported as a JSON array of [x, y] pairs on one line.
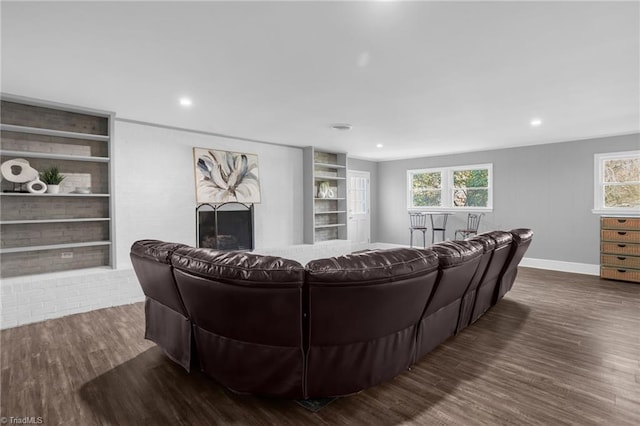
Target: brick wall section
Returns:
[[42, 261], [31, 299], [14, 141], [33, 207], [326, 234], [48, 118], [325, 157], [53, 233]]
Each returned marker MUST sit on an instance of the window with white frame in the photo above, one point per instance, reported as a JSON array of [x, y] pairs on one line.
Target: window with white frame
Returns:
[[617, 182], [451, 188]]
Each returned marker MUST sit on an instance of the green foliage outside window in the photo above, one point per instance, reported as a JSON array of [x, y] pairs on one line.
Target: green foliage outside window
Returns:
[[622, 183], [427, 189], [471, 188]]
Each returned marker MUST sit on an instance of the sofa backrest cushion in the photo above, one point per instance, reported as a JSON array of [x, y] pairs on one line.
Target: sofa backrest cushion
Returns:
[[242, 296], [151, 261], [239, 267], [458, 264], [367, 295], [501, 242], [451, 254]]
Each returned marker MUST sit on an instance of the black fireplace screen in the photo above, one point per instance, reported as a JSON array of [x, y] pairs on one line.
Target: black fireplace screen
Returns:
[[227, 226]]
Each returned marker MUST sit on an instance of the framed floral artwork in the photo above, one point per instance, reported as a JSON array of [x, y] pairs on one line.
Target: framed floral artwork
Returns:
[[224, 176]]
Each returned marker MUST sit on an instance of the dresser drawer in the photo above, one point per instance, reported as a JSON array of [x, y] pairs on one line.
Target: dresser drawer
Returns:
[[623, 236], [623, 261], [620, 274], [620, 223], [625, 249]]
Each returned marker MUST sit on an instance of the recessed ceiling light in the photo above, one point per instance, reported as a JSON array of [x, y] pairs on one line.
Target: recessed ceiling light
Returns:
[[536, 122], [185, 102], [379, 145], [341, 126]]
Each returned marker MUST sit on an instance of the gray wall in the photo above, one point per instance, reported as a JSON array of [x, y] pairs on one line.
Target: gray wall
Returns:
[[372, 168], [548, 188]]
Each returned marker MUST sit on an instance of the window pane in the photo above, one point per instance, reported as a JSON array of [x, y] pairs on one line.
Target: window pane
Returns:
[[471, 178], [624, 170], [428, 198], [470, 197], [622, 195], [422, 181]]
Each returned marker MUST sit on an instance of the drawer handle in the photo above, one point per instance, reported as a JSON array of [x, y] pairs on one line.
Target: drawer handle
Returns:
[[622, 245], [622, 220], [622, 271], [621, 258], [622, 233]]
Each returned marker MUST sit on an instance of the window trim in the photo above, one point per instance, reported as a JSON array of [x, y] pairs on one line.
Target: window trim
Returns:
[[598, 183], [447, 188]]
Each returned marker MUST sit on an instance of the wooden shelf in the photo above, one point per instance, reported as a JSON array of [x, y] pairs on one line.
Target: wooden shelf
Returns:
[[333, 225], [324, 217], [328, 165], [53, 247], [33, 221], [28, 194], [30, 154], [316, 177], [50, 132]]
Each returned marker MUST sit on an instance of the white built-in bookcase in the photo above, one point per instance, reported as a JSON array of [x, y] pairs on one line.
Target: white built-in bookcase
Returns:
[[56, 232]]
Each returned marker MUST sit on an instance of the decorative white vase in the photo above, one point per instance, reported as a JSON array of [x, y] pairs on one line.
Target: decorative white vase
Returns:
[[37, 187], [53, 189]]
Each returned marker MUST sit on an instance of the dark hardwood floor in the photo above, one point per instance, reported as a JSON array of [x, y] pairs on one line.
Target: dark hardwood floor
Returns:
[[559, 349]]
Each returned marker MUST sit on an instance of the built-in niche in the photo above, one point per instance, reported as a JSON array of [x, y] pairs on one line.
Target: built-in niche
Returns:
[[227, 226]]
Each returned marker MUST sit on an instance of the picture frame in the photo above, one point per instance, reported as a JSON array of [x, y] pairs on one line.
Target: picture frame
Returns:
[[226, 176]]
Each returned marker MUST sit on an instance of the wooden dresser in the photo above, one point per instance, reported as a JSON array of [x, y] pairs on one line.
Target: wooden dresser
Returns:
[[620, 248]]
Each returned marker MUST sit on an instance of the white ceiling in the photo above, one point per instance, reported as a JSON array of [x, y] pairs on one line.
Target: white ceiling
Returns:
[[421, 78]]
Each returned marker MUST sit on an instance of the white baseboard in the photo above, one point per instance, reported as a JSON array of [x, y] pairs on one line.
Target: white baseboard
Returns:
[[557, 265]]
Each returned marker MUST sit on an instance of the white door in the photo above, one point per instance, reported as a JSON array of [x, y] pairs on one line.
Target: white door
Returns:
[[358, 207]]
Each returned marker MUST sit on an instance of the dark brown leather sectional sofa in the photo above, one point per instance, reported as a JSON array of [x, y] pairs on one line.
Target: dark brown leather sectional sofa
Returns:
[[267, 325]]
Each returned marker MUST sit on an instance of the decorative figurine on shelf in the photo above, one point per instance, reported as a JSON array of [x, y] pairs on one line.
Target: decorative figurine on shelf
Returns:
[[52, 178], [323, 189], [37, 186], [18, 171]]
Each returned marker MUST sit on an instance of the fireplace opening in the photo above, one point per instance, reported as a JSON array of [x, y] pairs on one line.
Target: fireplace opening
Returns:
[[227, 226]]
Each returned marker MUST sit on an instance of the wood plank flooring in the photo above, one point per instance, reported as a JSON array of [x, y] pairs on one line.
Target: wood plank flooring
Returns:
[[559, 349]]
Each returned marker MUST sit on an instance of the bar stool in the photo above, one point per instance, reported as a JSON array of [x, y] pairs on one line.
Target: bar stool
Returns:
[[418, 222], [438, 225], [473, 223]]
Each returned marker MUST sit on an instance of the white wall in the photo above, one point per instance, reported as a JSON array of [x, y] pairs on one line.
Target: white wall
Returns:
[[155, 188]]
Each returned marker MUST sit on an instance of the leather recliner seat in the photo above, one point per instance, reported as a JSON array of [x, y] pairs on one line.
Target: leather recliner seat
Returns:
[[247, 318], [363, 312], [457, 265], [166, 320], [469, 298], [521, 241], [501, 245]]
